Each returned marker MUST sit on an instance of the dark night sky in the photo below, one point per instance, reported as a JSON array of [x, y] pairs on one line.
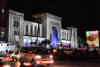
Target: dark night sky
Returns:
[[82, 14]]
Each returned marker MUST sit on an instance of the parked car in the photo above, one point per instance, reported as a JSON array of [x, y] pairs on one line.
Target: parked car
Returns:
[[90, 54], [68, 52], [1, 54], [78, 54], [16, 55], [3, 64], [9, 54], [37, 57]]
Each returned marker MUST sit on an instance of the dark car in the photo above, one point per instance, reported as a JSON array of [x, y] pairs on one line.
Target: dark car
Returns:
[[89, 54], [78, 54]]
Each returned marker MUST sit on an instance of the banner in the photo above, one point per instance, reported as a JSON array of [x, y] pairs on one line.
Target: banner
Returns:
[[92, 38]]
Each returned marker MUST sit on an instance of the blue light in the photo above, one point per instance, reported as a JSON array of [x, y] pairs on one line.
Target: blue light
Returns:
[[29, 41], [54, 37], [33, 41], [25, 40], [38, 41]]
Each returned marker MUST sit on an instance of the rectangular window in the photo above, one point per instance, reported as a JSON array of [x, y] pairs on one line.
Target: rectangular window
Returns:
[[3, 10], [26, 29], [16, 33], [67, 36], [2, 34], [31, 33]]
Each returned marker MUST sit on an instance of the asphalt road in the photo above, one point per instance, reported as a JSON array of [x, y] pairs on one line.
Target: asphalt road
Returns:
[[58, 62]]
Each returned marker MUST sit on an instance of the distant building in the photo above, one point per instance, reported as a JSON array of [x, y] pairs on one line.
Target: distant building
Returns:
[[23, 32], [15, 30]]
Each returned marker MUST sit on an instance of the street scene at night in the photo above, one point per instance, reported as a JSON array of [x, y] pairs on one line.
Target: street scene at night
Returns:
[[49, 33]]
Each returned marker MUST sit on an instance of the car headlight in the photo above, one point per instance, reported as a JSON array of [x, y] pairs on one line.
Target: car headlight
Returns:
[[18, 56], [7, 66], [51, 56], [38, 56]]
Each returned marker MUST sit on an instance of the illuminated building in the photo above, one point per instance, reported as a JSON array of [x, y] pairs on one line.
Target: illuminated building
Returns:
[[24, 32]]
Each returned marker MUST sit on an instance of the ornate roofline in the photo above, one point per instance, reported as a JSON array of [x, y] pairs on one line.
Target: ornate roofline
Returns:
[[49, 15], [15, 12]]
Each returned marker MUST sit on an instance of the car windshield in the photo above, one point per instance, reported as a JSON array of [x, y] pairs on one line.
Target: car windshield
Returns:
[[41, 52]]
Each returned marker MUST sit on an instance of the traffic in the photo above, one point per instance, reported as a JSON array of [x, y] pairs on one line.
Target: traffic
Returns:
[[40, 56]]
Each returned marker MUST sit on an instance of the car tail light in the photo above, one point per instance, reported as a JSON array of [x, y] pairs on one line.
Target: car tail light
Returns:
[[6, 66], [51, 56], [38, 56]]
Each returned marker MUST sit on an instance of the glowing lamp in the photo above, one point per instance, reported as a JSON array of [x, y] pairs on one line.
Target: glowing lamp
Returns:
[[54, 50]]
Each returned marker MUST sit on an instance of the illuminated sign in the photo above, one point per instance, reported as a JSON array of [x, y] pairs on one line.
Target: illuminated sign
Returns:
[[92, 38]]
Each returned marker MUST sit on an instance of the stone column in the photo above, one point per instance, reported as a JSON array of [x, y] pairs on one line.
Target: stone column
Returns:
[[21, 31]]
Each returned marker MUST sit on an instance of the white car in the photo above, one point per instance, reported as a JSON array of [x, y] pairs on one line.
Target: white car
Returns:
[[36, 57], [16, 55]]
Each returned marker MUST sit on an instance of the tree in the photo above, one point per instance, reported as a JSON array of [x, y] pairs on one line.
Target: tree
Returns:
[[38, 20], [46, 42]]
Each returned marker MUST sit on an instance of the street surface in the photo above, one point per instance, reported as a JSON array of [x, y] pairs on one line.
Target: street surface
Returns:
[[57, 63]]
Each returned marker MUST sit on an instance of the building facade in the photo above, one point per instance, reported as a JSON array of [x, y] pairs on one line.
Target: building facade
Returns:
[[22, 32]]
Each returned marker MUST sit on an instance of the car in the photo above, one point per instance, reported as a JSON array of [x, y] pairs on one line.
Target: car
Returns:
[[16, 55], [3, 64], [90, 54], [9, 54], [68, 52], [37, 57], [78, 54], [1, 54]]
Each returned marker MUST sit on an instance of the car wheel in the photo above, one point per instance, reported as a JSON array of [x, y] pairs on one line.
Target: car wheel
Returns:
[[16, 59], [48, 64], [13, 58], [21, 61], [33, 62]]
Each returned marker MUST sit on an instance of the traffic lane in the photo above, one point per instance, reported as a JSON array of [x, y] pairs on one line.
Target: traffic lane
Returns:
[[60, 63], [12, 63], [56, 64]]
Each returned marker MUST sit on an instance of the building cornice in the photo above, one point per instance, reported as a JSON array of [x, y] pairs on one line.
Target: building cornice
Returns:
[[16, 13], [48, 14]]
